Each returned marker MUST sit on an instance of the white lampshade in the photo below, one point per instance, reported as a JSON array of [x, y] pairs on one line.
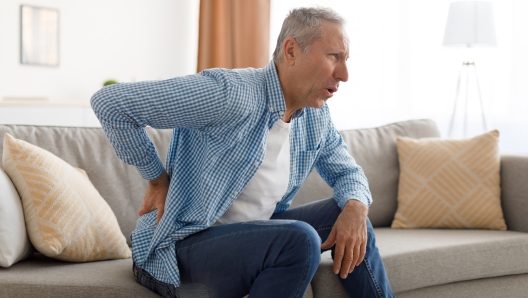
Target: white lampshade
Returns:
[[470, 23]]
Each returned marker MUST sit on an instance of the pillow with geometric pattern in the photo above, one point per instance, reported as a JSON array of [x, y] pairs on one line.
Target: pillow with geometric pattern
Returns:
[[66, 217], [449, 183]]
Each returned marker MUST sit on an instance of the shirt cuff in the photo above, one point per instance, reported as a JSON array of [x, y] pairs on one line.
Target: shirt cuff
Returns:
[[363, 199], [152, 170]]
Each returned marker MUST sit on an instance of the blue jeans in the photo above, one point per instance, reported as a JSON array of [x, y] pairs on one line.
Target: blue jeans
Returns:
[[267, 258]]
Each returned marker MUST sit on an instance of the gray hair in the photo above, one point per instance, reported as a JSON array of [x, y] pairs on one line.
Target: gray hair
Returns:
[[305, 26]]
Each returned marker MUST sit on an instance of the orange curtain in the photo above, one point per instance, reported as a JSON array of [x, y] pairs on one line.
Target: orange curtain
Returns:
[[233, 33]]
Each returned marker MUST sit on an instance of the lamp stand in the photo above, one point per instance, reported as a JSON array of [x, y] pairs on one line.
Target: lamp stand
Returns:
[[466, 65]]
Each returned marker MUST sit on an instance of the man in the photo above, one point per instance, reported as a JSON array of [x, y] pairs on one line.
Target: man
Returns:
[[244, 141]]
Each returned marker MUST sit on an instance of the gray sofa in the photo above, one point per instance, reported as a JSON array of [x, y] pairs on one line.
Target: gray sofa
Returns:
[[420, 263]]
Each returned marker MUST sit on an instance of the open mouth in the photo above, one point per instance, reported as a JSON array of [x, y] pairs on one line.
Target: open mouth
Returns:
[[331, 91]]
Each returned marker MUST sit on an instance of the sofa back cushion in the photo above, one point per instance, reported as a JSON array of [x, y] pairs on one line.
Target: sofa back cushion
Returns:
[[88, 148], [374, 149], [123, 188]]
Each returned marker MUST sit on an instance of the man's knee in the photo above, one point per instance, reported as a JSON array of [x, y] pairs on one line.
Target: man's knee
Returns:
[[306, 240]]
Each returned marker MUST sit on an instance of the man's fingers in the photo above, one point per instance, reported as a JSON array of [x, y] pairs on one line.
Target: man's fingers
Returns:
[[339, 254], [147, 205], [362, 252], [357, 250], [329, 241], [155, 196], [348, 260], [144, 210]]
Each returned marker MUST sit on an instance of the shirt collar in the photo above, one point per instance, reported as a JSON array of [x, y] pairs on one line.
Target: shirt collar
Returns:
[[276, 101]]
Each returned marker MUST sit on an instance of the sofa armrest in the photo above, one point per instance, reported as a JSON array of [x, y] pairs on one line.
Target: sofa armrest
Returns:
[[514, 188]]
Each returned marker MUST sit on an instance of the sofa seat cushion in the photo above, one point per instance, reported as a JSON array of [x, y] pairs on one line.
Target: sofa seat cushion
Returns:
[[492, 287], [421, 258], [41, 276]]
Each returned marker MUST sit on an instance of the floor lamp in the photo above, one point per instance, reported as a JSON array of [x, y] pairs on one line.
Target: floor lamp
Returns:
[[469, 23]]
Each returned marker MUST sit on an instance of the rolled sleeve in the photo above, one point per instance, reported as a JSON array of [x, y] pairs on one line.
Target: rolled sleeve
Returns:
[[339, 169], [152, 170]]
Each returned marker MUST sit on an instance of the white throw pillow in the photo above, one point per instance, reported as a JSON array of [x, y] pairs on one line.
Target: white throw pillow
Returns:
[[14, 241]]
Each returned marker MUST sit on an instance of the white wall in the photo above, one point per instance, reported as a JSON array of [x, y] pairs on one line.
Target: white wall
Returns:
[[398, 68], [128, 40]]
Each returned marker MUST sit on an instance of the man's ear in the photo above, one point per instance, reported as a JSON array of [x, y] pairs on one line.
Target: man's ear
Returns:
[[290, 47]]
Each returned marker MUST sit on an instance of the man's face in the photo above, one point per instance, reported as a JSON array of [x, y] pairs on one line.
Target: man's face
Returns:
[[323, 67]]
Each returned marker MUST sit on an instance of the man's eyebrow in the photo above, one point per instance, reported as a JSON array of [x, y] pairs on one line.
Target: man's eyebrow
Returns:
[[341, 53], [338, 51]]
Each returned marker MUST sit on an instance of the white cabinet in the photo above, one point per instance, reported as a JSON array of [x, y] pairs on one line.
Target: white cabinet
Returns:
[[48, 113]]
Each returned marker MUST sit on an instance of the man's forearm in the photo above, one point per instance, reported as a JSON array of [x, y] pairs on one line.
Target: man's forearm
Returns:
[[125, 109], [126, 132]]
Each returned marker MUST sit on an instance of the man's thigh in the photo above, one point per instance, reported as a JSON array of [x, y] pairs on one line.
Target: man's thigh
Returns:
[[228, 258], [321, 215]]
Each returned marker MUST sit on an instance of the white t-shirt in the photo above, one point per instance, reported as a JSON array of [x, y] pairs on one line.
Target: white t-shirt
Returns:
[[269, 184]]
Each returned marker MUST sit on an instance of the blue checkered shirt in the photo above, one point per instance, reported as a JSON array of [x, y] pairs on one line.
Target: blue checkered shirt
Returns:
[[221, 119]]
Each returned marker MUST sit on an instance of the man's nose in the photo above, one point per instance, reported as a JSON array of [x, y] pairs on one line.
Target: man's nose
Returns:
[[341, 72]]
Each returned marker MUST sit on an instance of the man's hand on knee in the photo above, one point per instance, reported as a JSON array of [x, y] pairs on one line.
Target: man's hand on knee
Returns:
[[349, 234], [155, 196]]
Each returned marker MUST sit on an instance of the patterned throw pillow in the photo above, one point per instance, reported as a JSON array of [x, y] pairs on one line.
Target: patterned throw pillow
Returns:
[[449, 183], [66, 217]]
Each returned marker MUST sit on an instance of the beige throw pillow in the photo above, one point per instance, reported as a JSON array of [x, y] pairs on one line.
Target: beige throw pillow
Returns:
[[449, 183], [66, 217]]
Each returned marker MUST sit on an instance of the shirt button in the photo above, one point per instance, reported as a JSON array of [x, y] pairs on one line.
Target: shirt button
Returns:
[[281, 113], [181, 238], [256, 163], [235, 193]]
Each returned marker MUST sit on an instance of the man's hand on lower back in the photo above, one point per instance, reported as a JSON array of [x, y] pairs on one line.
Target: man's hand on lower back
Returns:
[[155, 196], [349, 234]]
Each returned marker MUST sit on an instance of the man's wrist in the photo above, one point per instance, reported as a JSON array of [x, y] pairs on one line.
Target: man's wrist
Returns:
[[356, 205], [161, 180]]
